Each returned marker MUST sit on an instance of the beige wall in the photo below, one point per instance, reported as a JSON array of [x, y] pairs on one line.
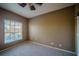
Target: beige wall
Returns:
[[77, 28], [76, 9], [11, 16], [57, 27]]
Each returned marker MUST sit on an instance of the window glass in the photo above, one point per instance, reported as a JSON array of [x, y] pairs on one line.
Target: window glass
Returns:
[[12, 30]]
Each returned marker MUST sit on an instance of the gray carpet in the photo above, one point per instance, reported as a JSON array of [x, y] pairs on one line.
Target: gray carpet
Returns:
[[31, 49]]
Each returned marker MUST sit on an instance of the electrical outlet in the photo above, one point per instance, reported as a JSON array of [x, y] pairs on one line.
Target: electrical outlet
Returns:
[[52, 43], [60, 45]]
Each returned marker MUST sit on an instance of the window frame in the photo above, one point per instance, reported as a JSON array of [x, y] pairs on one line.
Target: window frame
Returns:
[[20, 37]]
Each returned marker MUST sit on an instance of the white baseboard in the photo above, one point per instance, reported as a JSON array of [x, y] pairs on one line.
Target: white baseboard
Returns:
[[53, 47]]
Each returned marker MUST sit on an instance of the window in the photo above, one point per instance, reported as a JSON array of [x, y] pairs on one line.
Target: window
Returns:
[[12, 31]]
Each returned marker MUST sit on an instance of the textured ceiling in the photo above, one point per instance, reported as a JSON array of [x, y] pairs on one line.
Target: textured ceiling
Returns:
[[26, 12]]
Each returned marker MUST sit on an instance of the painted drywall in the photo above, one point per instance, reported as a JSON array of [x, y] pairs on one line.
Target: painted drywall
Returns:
[[76, 9], [4, 14], [77, 41], [77, 28], [26, 12], [56, 29]]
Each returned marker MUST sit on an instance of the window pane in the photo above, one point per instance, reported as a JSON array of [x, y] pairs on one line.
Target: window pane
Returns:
[[16, 28], [7, 28], [12, 37], [16, 36], [20, 27], [7, 38], [7, 22], [7, 25], [12, 28], [20, 35], [16, 23], [12, 23]]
